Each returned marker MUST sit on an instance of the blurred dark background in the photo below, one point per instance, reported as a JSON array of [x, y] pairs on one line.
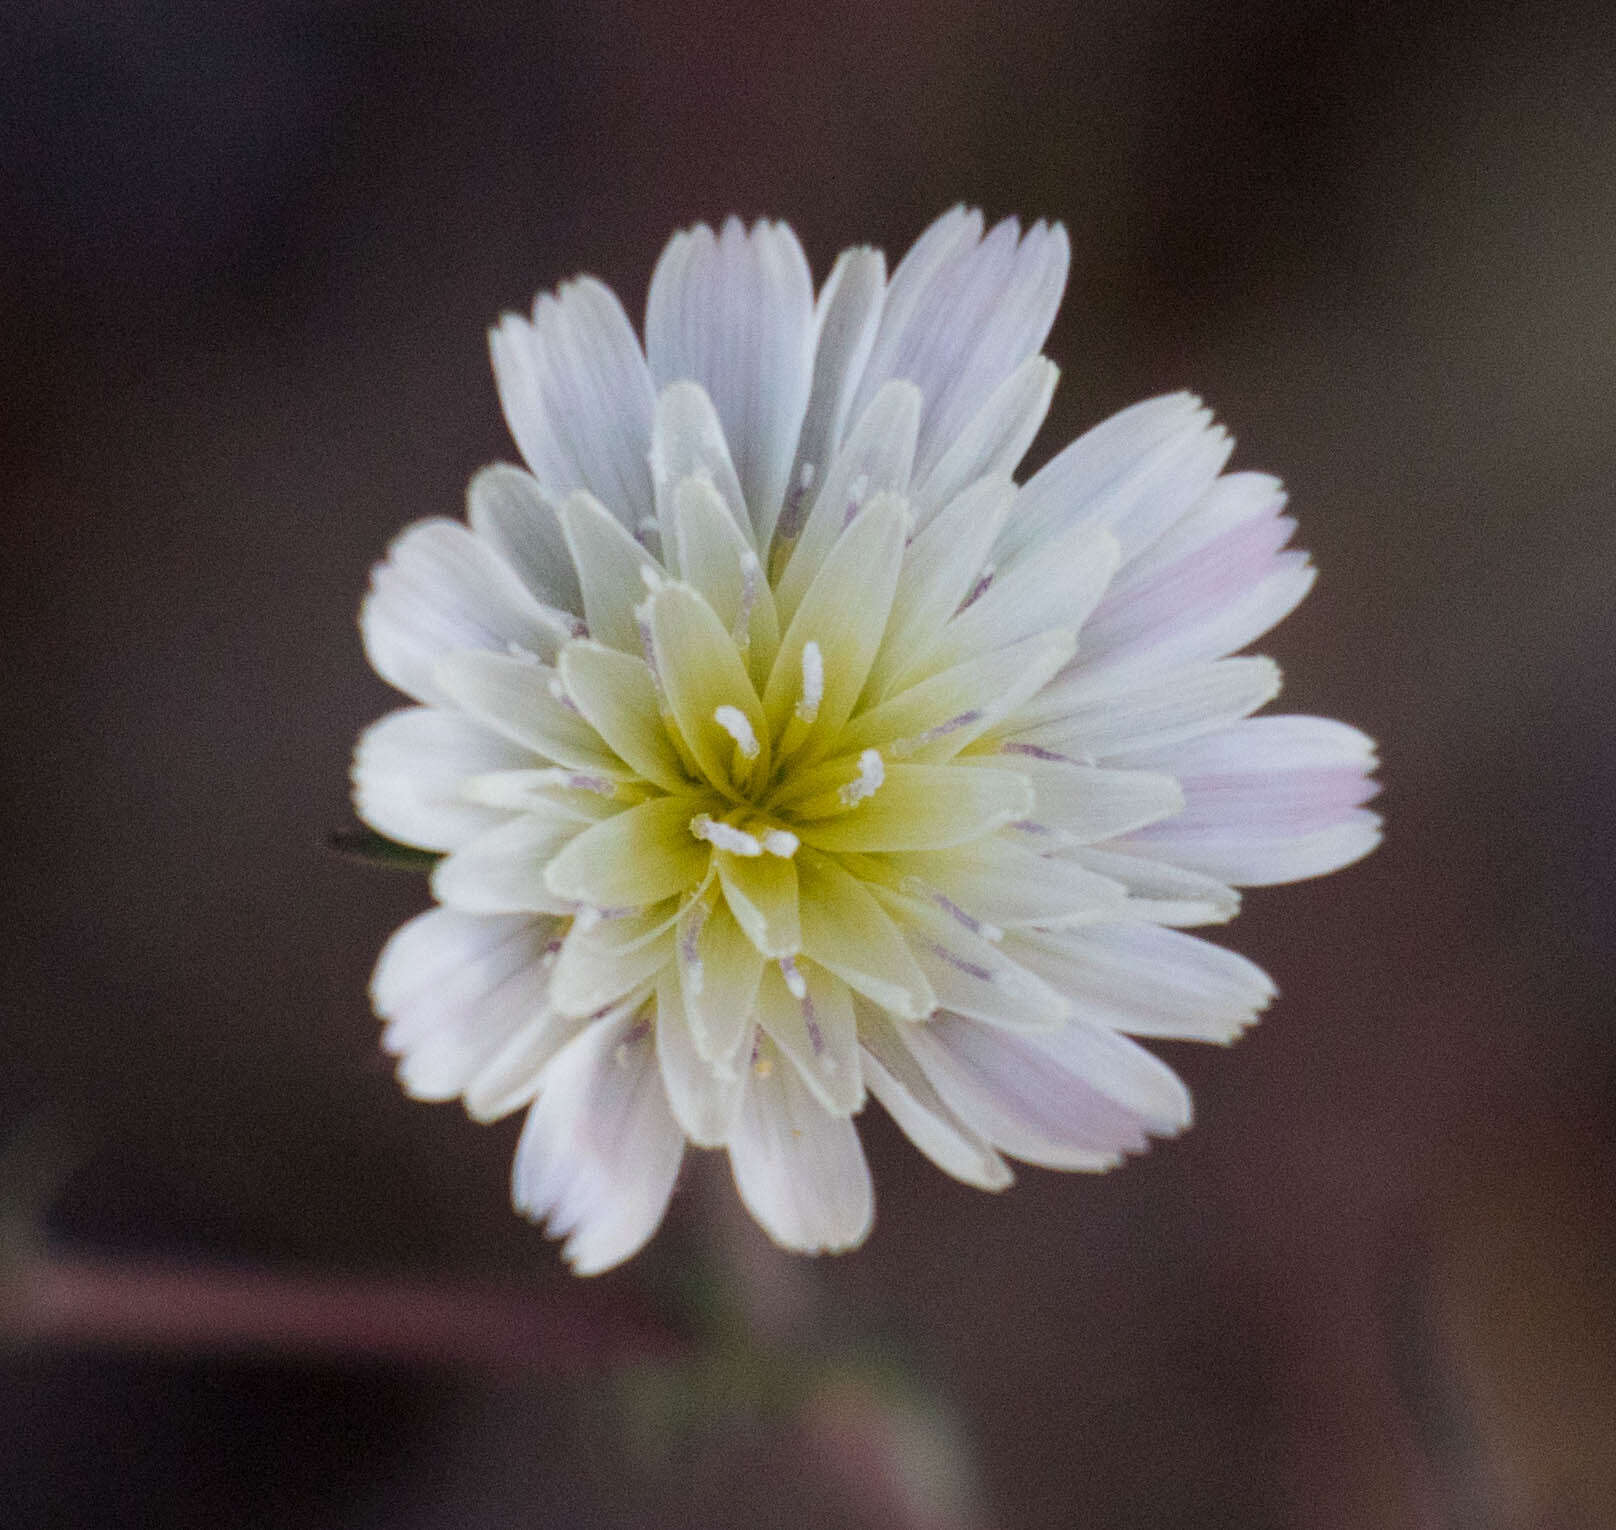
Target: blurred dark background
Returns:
[[250, 252]]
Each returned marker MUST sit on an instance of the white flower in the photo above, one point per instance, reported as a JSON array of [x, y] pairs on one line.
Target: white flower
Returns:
[[783, 749]]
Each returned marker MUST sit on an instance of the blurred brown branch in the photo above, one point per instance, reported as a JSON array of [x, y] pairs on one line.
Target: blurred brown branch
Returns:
[[150, 1306]]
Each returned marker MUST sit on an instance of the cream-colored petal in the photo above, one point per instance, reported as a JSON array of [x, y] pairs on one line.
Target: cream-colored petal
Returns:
[[817, 1032], [705, 1099], [615, 693], [941, 567], [935, 719], [719, 971], [609, 563], [845, 930], [925, 807], [702, 673], [876, 459], [761, 892], [1001, 884], [601, 960], [844, 612], [714, 557], [640, 856]]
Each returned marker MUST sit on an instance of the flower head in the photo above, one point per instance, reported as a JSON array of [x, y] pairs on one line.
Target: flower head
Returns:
[[784, 750]]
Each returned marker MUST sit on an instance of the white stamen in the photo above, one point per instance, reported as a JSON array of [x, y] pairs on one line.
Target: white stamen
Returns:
[[751, 573], [813, 682], [725, 836], [795, 982], [735, 723], [781, 842], [872, 771]]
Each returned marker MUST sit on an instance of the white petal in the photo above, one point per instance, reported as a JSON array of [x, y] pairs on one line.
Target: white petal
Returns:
[[799, 1169], [441, 590], [408, 770], [517, 699], [1075, 1098], [502, 870], [1088, 717], [508, 511], [510, 1078], [1160, 892], [1207, 604], [1057, 590], [578, 397], [601, 1150], [970, 974], [687, 441], [962, 313], [1149, 981], [995, 440], [734, 312], [1271, 799], [1081, 805], [1134, 476], [1248, 858], [898, 1082], [845, 320], [454, 989], [1232, 501]]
